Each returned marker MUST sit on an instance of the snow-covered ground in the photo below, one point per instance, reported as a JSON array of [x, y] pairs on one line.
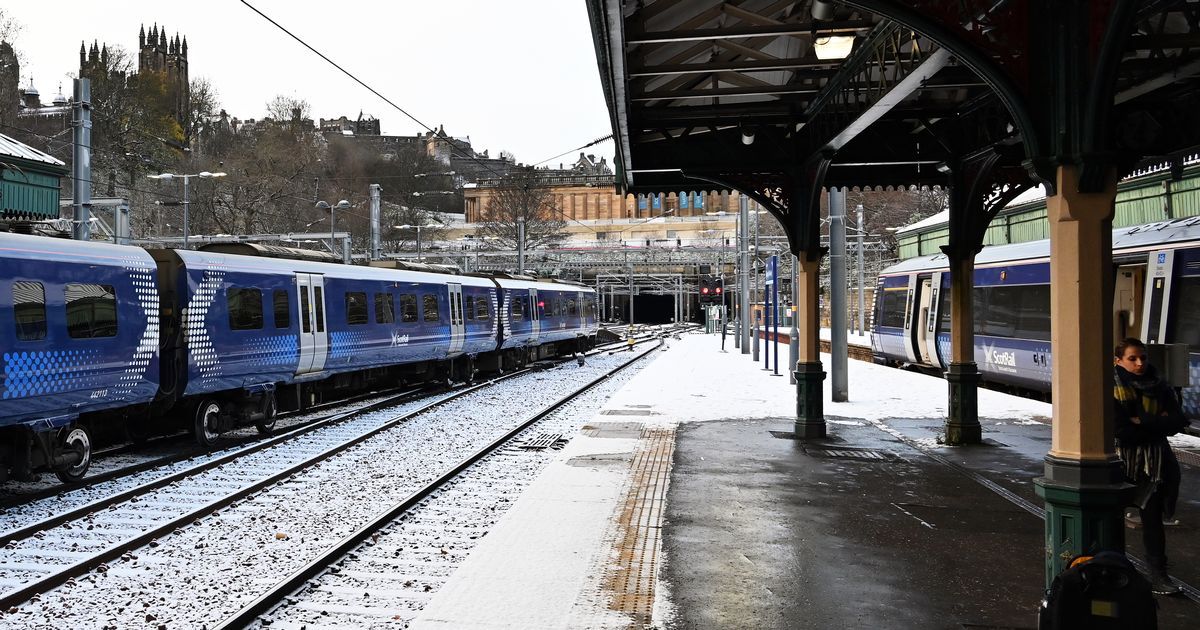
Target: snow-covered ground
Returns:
[[543, 565]]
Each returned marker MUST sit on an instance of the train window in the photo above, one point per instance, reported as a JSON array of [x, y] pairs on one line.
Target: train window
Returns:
[[245, 308], [572, 308], [482, 312], [408, 307], [385, 308], [356, 308], [305, 319], [91, 310], [891, 307], [519, 306], [469, 307], [1185, 321], [430, 302], [1033, 312], [283, 310], [319, 300], [1020, 311], [29, 310]]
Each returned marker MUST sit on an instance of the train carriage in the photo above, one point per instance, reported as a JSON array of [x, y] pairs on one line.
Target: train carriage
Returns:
[[1156, 270], [95, 332], [79, 334]]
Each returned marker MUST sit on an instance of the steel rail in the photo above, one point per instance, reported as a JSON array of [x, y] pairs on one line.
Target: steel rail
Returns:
[[23, 593], [269, 600], [192, 450]]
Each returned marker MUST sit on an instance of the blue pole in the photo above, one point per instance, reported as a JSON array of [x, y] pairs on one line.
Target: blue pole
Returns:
[[767, 329], [775, 293]]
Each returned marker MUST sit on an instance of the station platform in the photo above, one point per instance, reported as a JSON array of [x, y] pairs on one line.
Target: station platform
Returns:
[[686, 503]]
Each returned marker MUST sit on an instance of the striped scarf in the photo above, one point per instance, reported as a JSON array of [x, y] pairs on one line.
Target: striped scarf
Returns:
[[1138, 396]]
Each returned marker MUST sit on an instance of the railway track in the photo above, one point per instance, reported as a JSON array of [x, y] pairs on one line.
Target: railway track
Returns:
[[389, 567], [234, 442], [57, 551]]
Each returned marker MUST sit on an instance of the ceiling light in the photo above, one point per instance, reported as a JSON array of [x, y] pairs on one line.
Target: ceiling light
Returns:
[[747, 136], [833, 47]]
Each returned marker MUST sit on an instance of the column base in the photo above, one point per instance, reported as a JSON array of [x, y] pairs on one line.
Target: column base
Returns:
[[962, 423], [810, 401], [1085, 509]]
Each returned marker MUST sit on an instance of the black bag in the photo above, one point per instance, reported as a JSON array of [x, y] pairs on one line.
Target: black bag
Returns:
[[1102, 591]]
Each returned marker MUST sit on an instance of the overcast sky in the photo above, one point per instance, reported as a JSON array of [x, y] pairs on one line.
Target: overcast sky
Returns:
[[517, 75]]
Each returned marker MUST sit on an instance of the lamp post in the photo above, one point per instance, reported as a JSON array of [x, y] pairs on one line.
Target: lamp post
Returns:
[[521, 245], [186, 178], [341, 205], [418, 229]]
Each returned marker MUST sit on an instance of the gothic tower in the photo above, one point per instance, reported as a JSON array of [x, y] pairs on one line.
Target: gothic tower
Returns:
[[157, 53]]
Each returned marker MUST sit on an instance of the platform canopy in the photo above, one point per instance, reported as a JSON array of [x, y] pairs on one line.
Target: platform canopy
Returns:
[[776, 97]]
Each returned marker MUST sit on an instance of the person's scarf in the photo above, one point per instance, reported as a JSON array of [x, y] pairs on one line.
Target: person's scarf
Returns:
[[1139, 397]]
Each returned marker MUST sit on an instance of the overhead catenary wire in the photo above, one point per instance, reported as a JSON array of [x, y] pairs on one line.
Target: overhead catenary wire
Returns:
[[387, 100]]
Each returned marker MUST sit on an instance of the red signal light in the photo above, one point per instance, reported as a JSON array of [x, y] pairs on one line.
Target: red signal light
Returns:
[[718, 289], [703, 290]]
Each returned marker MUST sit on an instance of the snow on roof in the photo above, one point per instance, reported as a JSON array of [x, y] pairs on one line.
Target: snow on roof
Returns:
[[1032, 194], [9, 146]]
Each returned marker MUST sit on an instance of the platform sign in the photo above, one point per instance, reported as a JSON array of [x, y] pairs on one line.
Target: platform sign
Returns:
[[772, 270]]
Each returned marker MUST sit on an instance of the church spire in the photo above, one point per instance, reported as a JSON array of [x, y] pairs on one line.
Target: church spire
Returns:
[[142, 37]]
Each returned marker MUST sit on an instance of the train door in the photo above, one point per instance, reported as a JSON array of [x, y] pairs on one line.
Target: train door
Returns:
[[935, 316], [535, 315], [910, 308], [925, 309], [457, 329], [314, 339], [1128, 294], [1157, 296]]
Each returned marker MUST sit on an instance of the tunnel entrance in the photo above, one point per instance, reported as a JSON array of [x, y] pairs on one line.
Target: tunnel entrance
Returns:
[[653, 309]]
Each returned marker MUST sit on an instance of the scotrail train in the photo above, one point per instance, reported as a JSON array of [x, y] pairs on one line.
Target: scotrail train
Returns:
[[94, 335], [1156, 268]]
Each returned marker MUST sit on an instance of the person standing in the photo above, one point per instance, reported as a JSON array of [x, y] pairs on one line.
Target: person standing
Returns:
[[1147, 412]]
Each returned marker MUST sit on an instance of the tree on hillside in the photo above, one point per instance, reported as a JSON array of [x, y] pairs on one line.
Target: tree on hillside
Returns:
[[522, 195], [285, 108]]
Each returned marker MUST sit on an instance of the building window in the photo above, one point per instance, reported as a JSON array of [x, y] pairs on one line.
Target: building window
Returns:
[[283, 311], [29, 310], [601, 236], [245, 309]]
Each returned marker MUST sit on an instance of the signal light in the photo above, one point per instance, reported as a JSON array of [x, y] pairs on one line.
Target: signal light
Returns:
[[703, 290], [718, 290]]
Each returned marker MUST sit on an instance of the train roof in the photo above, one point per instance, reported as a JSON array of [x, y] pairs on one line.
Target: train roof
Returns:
[[256, 264], [1146, 236], [48, 248]]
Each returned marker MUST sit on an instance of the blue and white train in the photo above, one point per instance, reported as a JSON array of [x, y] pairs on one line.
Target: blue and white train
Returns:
[[94, 333], [1156, 270]]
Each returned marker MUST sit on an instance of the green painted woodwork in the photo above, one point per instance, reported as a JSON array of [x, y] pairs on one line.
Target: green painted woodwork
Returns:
[[1139, 201], [27, 192]]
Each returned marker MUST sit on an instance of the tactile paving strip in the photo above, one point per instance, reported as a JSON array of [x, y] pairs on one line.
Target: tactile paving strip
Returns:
[[630, 581]]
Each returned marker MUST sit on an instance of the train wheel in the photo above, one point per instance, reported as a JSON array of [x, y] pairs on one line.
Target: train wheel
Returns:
[[207, 425], [75, 439], [269, 410]]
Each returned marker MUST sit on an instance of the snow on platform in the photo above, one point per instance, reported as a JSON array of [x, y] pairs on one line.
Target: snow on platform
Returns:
[[545, 563]]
